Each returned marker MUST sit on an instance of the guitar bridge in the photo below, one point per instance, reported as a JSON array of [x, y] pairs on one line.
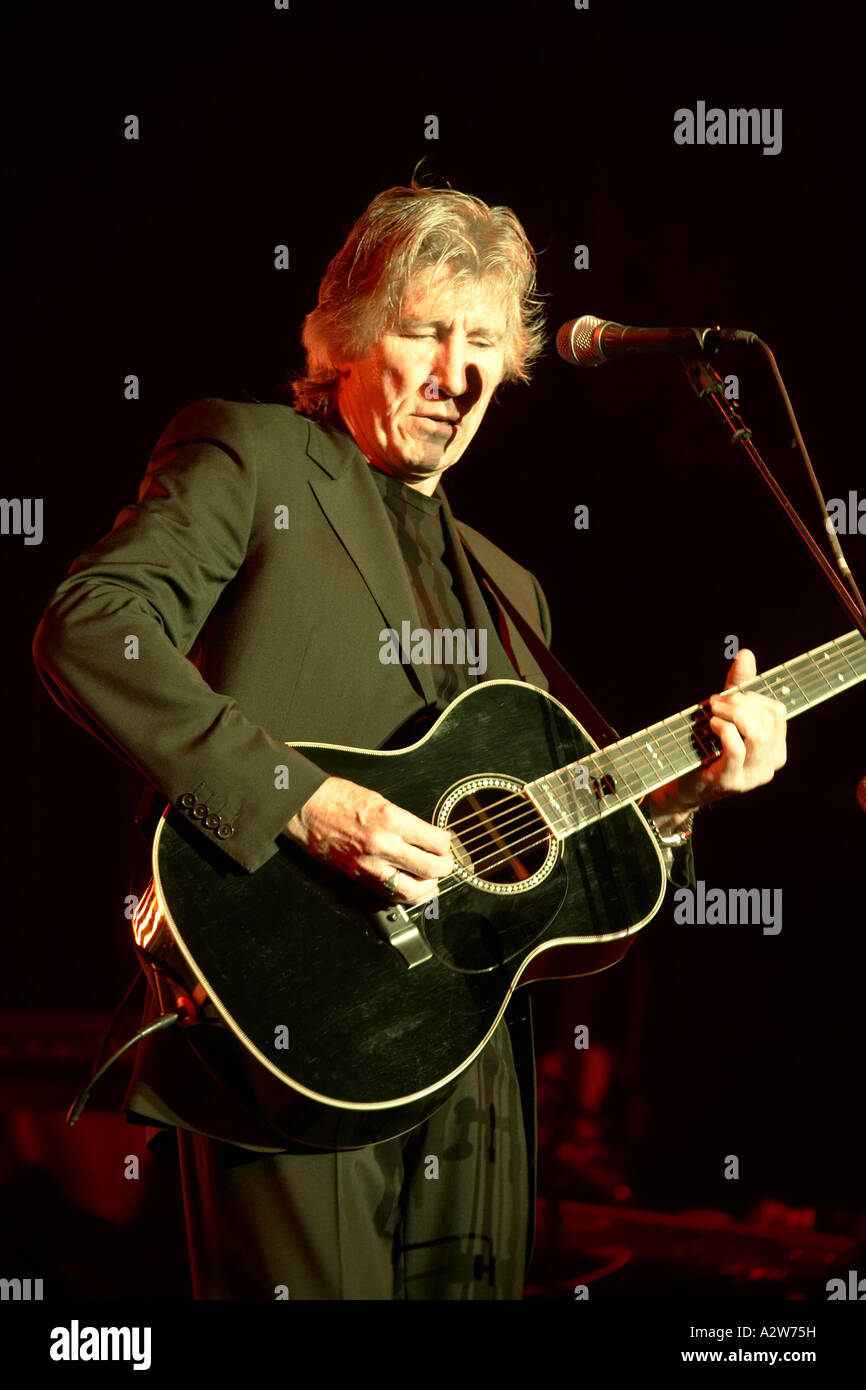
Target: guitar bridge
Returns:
[[395, 927]]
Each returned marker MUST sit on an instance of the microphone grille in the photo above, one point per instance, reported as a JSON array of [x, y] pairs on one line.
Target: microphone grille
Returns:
[[574, 341]]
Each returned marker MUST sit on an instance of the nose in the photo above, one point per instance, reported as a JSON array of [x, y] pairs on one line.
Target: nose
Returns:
[[449, 366], [455, 368]]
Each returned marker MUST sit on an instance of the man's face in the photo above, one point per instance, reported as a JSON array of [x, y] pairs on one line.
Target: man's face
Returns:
[[414, 402]]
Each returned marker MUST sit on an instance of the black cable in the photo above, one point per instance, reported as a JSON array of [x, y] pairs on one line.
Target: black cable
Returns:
[[167, 1021]]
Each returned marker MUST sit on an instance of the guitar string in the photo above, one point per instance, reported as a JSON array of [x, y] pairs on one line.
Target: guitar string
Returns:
[[455, 879], [591, 759], [760, 684], [522, 811], [598, 814], [530, 825], [672, 736], [596, 763], [849, 663], [637, 788]]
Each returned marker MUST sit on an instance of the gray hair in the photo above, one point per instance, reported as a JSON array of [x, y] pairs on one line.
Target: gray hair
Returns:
[[404, 230]]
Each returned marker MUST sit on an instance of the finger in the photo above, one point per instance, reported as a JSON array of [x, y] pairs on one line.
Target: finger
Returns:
[[377, 873], [394, 850], [761, 722], [733, 745], [419, 833], [404, 887], [762, 734], [742, 668], [749, 699]]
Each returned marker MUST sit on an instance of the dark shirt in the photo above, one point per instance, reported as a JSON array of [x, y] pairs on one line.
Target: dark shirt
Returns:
[[417, 524]]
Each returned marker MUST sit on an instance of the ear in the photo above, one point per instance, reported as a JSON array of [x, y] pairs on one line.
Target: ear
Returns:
[[342, 370]]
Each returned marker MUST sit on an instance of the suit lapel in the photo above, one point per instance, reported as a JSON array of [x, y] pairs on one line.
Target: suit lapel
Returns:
[[348, 497]]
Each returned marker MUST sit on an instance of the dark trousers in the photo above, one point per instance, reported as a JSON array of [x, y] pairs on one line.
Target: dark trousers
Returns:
[[439, 1213]]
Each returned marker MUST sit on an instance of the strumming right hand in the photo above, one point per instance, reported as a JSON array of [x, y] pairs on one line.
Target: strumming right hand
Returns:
[[359, 833]]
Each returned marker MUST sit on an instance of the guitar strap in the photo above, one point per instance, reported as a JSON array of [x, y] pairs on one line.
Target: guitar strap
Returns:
[[566, 690]]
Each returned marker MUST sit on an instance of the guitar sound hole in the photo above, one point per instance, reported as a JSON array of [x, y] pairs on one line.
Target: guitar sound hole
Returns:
[[499, 840]]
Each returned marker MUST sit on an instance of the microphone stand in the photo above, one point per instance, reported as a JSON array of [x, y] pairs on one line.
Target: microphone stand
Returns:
[[708, 386]]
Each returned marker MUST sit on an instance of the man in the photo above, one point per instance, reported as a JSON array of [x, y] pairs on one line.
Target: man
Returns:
[[265, 558]]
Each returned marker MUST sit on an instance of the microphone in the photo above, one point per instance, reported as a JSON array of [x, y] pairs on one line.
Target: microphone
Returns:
[[588, 341]]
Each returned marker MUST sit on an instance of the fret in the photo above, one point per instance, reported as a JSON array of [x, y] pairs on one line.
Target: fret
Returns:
[[549, 805], [851, 665], [793, 679], [825, 671], [626, 771]]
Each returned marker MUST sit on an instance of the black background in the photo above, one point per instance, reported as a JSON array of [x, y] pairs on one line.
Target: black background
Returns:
[[155, 257]]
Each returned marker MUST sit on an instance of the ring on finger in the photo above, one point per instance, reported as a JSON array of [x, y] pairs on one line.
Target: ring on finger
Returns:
[[391, 883]]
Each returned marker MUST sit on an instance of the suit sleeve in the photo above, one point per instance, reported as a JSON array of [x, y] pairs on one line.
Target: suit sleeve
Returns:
[[112, 645]]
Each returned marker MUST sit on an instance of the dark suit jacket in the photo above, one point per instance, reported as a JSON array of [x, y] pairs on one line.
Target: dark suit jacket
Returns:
[[204, 631]]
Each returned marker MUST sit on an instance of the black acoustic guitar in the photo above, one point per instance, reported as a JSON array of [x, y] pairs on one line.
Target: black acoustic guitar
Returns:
[[361, 1015]]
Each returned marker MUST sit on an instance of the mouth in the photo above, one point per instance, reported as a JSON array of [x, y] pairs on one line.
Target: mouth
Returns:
[[440, 423]]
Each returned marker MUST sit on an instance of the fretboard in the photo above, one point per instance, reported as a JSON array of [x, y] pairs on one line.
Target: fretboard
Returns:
[[573, 796]]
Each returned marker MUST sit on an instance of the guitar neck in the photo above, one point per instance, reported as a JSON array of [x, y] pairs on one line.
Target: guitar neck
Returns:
[[623, 772]]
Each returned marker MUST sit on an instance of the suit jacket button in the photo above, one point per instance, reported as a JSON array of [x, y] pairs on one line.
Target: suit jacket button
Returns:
[[212, 821], [186, 801], [200, 811], [224, 831]]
